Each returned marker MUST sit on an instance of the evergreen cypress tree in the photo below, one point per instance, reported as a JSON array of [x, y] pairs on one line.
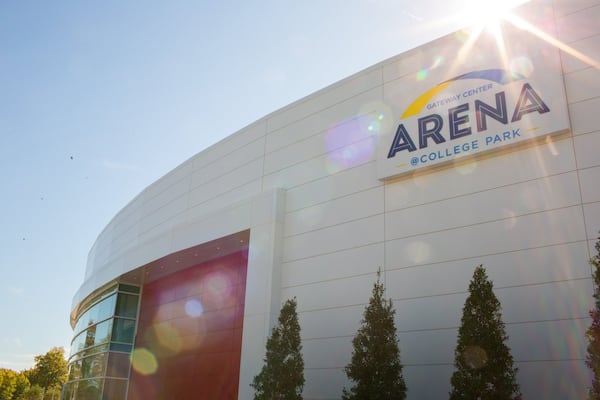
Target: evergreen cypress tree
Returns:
[[593, 333], [375, 367], [282, 375], [484, 365]]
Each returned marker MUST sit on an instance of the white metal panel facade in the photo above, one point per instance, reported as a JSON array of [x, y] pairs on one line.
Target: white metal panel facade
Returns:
[[304, 180]]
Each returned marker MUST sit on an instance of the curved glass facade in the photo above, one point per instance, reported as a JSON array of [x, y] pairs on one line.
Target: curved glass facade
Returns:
[[99, 363]]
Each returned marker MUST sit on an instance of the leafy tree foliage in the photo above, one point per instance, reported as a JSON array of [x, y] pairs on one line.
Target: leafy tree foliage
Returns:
[[12, 384], [8, 383], [32, 393], [282, 375], [50, 369], [484, 365], [375, 367], [22, 385], [593, 333]]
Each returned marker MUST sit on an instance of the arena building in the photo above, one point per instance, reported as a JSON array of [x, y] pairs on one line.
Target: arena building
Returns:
[[480, 147]]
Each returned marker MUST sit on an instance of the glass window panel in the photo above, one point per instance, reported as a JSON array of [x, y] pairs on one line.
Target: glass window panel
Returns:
[[123, 330], [107, 292], [94, 335], [93, 366], [125, 348], [127, 305], [114, 389], [106, 308], [87, 367], [95, 299], [75, 346], [118, 365], [100, 311], [129, 288], [90, 389], [90, 351], [75, 370], [69, 391]]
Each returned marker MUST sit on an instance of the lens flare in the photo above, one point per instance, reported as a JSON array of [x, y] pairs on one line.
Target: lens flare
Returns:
[[143, 361], [419, 251], [437, 61], [422, 74], [168, 337], [521, 66], [375, 125], [475, 357], [194, 308], [551, 146], [195, 336], [466, 168], [462, 35], [353, 142], [218, 289], [510, 218]]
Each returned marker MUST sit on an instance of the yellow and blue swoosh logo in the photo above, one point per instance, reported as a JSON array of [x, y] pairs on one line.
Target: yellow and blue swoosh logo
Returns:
[[500, 76]]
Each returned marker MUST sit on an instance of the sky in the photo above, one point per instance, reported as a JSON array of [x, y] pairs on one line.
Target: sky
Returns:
[[99, 99]]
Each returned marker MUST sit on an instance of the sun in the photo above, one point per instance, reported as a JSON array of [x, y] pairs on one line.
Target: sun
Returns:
[[487, 15], [485, 12]]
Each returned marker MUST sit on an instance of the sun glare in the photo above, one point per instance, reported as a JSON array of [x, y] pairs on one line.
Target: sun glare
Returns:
[[484, 13]]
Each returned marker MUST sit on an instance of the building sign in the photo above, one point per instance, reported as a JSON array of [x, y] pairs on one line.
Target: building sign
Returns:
[[479, 110]]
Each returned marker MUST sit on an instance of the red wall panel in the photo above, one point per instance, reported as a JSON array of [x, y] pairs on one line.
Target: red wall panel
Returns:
[[191, 322]]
